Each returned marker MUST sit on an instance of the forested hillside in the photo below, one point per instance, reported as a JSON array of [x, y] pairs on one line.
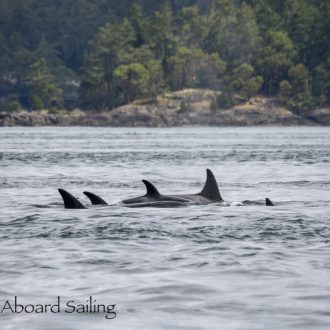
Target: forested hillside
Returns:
[[99, 54]]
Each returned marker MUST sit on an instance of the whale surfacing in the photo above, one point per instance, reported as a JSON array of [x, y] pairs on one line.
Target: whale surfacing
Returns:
[[209, 194], [95, 200], [70, 202], [269, 202]]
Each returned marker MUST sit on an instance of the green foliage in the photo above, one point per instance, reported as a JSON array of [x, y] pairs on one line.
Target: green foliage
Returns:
[[224, 100], [163, 41], [54, 110], [321, 82], [301, 95], [275, 60], [140, 25], [118, 51], [192, 27], [110, 48], [194, 68], [119, 68], [131, 81], [44, 92], [155, 84], [248, 41], [251, 87], [36, 103], [244, 82], [13, 106], [232, 32], [285, 90]]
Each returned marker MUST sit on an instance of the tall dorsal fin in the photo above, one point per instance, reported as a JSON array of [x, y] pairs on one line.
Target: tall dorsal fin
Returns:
[[151, 189], [95, 200], [211, 189], [70, 202]]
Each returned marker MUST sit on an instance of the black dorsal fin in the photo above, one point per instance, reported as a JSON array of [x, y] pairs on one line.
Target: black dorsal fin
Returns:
[[95, 200], [70, 202], [151, 189], [269, 202], [211, 189]]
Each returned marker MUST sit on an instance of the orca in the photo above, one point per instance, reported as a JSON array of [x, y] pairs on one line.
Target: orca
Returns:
[[160, 204], [254, 202], [70, 202], [209, 194], [95, 200], [269, 202]]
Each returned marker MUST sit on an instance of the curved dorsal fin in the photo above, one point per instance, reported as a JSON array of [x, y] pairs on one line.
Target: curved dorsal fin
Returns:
[[151, 189], [70, 202], [95, 200], [269, 202], [211, 189]]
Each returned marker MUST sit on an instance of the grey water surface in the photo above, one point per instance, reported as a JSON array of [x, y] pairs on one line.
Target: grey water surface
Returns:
[[230, 266]]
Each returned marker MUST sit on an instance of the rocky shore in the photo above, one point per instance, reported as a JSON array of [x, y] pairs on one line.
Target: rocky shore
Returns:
[[184, 108]]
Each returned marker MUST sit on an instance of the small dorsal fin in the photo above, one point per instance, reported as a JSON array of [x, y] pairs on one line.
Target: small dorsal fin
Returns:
[[269, 202], [151, 189], [95, 200], [70, 202], [211, 189]]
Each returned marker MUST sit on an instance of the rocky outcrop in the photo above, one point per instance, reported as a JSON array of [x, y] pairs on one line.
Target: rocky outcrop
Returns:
[[183, 108], [320, 116]]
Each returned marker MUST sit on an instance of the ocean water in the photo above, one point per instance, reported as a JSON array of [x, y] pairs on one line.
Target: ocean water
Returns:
[[230, 266]]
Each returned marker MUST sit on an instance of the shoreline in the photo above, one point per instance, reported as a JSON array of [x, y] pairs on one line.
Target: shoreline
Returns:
[[190, 107]]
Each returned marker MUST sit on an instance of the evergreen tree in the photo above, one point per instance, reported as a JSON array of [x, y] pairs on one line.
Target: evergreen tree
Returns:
[[43, 90], [301, 93], [321, 82], [101, 45], [275, 59], [194, 68], [245, 82], [131, 81], [110, 48], [163, 42]]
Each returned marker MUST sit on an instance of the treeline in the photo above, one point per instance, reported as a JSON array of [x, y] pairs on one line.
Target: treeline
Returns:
[[99, 54]]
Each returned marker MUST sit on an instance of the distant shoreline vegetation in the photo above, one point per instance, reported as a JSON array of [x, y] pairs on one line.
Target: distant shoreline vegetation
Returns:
[[100, 55]]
